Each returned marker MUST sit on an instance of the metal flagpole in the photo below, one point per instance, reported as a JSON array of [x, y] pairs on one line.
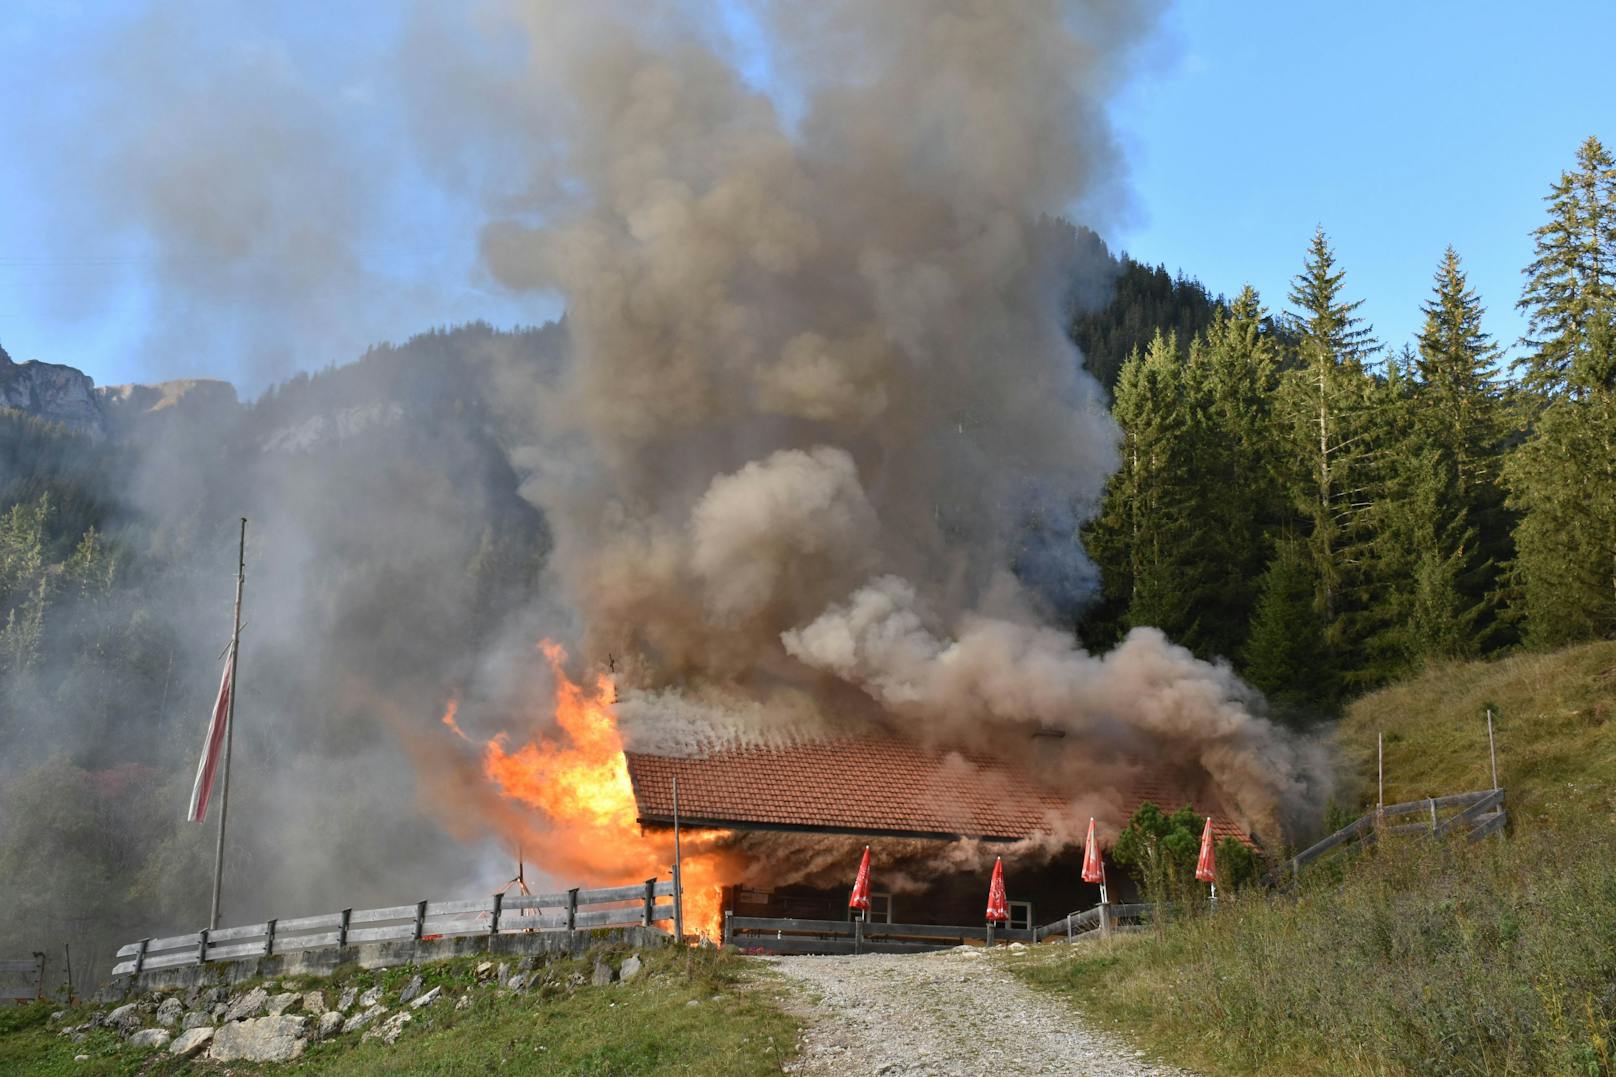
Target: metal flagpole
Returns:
[[678, 872], [229, 730]]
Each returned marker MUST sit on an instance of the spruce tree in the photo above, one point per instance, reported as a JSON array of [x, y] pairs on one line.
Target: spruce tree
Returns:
[[1154, 533], [1570, 285], [1235, 368], [1286, 655], [1562, 480], [1325, 398]]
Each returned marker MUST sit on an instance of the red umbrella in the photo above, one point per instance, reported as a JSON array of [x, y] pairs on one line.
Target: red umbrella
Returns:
[[998, 903], [1206, 868], [861, 885], [1093, 866]]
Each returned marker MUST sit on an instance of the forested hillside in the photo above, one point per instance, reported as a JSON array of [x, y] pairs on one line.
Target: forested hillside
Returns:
[[1327, 512]]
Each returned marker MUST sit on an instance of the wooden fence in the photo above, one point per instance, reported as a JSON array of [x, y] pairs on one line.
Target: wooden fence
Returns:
[[786, 936], [1480, 813], [23, 979], [502, 914], [1099, 918]]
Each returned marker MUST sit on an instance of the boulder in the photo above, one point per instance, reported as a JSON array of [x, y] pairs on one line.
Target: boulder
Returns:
[[169, 1011], [330, 1025], [279, 1004], [195, 1019], [463, 1003], [125, 1018], [150, 1037], [427, 999], [245, 1006], [631, 968], [485, 970], [517, 981], [347, 997], [314, 1002], [363, 1018], [371, 997], [388, 1031], [259, 1039], [603, 974], [214, 995], [411, 989], [191, 1042]]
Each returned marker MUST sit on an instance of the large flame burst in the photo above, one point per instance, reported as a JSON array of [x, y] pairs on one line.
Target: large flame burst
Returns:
[[579, 781]]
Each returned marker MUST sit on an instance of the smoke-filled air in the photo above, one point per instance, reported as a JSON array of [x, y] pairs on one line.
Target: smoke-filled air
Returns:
[[822, 445], [807, 455]]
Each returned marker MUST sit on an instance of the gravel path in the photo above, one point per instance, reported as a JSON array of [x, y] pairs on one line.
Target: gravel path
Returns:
[[954, 1012]]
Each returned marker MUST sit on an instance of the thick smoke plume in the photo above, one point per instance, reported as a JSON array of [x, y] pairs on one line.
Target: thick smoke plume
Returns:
[[826, 428]]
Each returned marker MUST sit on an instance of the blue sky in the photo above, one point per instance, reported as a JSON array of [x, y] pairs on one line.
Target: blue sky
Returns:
[[1398, 127]]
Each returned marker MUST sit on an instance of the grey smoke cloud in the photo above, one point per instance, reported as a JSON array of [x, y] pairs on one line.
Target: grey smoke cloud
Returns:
[[826, 427]]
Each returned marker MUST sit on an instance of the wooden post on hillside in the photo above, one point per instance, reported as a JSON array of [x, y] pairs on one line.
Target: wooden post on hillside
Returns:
[[1492, 748], [1380, 774]]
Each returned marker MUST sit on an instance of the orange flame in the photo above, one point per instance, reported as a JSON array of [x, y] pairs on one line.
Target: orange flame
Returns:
[[580, 782]]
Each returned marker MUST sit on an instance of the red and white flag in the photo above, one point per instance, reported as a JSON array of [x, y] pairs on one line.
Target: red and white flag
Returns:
[[998, 901], [1093, 866], [1206, 868], [860, 898], [208, 766]]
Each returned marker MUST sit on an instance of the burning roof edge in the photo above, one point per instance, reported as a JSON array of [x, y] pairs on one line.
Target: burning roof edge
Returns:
[[867, 786]]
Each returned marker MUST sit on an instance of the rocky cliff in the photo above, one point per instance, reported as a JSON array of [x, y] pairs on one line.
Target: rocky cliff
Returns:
[[61, 394]]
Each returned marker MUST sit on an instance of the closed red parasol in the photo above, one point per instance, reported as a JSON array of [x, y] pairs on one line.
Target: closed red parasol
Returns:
[[1206, 868], [998, 903], [861, 885], [1093, 866]]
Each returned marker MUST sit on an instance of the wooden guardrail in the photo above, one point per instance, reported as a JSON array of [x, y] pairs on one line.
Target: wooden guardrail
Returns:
[[1100, 916], [502, 914], [786, 936], [22, 979], [1482, 813]]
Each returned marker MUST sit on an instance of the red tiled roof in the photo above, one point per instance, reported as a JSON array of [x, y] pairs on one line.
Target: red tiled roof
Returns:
[[863, 785]]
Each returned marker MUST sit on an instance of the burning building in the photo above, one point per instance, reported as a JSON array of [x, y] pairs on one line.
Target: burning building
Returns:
[[936, 820]]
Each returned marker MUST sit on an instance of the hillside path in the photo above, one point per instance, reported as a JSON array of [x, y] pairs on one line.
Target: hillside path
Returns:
[[953, 1012]]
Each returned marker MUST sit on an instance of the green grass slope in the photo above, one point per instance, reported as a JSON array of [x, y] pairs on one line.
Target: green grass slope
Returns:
[[1553, 719], [694, 1012], [1417, 957]]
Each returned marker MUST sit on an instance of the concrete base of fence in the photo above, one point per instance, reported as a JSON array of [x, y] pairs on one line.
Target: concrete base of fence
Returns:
[[381, 955]]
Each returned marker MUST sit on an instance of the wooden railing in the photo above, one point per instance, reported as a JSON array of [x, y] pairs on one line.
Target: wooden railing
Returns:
[[502, 914], [1481, 813], [22, 979], [786, 936], [1099, 918]]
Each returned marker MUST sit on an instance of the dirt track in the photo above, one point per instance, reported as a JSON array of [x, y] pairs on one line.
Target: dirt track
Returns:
[[955, 1012]]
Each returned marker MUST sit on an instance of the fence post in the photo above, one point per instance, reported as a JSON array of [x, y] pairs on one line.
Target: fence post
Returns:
[[39, 975], [202, 947], [269, 938], [572, 909], [1433, 814], [499, 906], [650, 902], [990, 932], [1068, 927], [729, 932], [1105, 920], [858, 935], [342, 927], [420, 920], [140, 956]]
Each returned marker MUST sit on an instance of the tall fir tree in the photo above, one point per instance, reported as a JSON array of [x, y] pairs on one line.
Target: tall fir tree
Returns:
[[1571, 283], [1562, 480], [1286, 655], [1154, 532], [1235, 367], [1325, 397]]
